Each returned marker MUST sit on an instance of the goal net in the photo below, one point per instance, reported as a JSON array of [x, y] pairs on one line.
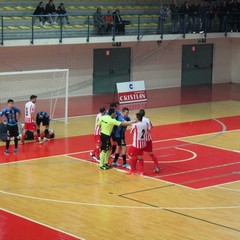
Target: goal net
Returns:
[[50, 86]]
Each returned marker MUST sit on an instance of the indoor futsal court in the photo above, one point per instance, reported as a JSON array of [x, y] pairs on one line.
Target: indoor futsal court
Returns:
[[56, 191]]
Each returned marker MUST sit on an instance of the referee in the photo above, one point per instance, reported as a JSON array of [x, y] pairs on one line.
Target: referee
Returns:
[[107, 122]]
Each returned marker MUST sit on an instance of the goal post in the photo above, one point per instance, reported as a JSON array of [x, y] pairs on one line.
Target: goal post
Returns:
[[50, 86]]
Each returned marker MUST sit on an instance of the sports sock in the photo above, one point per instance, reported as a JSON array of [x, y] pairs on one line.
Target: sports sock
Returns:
[[96, 152], [7, 144], [154, 158], [116, 157], [36, 137], [133, 164], [16, 142], [141, 166], [23, 137], [102, 158], [124, 159], [106, 157], [114, 149]]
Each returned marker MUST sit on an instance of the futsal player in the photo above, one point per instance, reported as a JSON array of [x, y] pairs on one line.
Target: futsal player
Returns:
[[44, 119], [29, 120], [149, 148], [9, 116], [135, 151], [107, 122], [97, 131], [114, 142], [120, 139]]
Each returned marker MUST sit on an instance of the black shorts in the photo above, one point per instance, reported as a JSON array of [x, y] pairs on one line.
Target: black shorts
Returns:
[[120, 142], [12, 131], [106, 143], [114, 139], [44, 121]]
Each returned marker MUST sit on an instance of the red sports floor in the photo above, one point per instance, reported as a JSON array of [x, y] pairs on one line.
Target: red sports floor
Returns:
[[184, 163]]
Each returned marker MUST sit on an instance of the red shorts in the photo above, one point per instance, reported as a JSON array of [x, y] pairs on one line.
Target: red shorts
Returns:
[[148, 147], [134, 152], [30, 127], [97, 139]]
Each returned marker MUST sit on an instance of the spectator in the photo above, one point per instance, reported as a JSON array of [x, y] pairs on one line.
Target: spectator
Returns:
[[164, 12], [61, 10], [50, 10], [223, 15], [210, 15], [184, 10], [234, 16], [174, 16], [119, 22], [99, 21], [39, 11], [192, 17], [108, 21]]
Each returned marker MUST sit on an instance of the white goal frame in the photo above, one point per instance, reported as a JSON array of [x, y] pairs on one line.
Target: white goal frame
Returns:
[[32, 91]]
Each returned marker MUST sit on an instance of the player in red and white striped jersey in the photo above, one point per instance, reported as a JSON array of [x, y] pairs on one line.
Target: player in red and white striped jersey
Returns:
[[149, 148], [97, 132], [135, 151], [29, 121]]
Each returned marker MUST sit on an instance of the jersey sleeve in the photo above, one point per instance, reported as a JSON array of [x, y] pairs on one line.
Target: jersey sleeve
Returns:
[[115, 122]]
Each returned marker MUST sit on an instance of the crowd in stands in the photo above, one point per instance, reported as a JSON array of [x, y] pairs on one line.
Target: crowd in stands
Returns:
[[105, 22], [185, 18], [49, 15], [191, 18]]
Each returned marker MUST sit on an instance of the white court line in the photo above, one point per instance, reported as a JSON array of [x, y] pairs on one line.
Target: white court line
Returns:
[[42, 224], [117, 206], [229, 189], [200, 169], [177, 161]]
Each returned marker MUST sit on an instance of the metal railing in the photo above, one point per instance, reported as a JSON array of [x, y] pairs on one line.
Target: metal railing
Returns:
[[19, 27]]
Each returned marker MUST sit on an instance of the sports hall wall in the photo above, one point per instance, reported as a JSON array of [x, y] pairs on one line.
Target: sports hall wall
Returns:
[[159, 64]]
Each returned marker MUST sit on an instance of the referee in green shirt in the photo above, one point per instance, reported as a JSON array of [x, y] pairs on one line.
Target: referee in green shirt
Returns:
[[107, 122]]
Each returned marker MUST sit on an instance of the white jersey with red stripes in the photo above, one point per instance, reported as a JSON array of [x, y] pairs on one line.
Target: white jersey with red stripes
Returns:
[[97, 129], [149, 126], [139, 131], [29, 109]]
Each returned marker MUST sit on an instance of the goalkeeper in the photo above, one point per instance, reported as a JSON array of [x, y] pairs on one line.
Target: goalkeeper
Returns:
[[43, 117]]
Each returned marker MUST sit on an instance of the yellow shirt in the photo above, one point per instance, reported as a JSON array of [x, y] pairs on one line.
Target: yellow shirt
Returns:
[[107, 123]]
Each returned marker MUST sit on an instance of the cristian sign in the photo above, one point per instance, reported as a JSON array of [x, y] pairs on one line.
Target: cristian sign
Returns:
[[129, 92]]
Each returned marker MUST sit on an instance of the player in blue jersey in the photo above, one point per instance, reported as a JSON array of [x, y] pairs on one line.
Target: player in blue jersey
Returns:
[[9, 116], [118, 115], [43, 117], [119, 136]]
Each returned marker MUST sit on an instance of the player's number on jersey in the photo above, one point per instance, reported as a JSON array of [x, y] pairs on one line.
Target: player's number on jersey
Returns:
[[143, 133], [26, 111]]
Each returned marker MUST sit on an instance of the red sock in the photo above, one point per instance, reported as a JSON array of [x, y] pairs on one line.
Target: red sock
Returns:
[[23, 137], [36, 137], [133, 164], [140, 166], [97, 152], [154, 158]]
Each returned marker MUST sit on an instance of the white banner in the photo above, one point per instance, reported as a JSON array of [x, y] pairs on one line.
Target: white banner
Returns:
[[129, 92]]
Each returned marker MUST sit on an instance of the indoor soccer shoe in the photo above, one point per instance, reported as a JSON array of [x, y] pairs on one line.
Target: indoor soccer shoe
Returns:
[[15, 151], [127, 166], [158, 169], [6, 152], [103, 168], [116, 164]]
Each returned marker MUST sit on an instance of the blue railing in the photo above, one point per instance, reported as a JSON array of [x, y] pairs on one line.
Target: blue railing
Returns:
[[28, 27]]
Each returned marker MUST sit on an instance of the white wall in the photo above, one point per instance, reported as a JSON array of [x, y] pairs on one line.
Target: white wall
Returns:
[[235, 70], [158, 64]]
